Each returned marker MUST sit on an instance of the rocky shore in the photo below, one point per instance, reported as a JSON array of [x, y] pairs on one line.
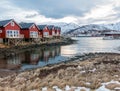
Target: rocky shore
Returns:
[[93, 72]]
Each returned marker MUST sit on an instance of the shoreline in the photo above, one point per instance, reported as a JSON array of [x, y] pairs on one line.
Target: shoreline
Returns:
[[94, 68], [7, 52]]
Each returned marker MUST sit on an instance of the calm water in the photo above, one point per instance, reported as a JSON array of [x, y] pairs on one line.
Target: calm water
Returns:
[[40, 57]]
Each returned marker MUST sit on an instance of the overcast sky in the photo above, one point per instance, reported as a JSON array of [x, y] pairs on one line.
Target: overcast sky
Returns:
[[76, 11]]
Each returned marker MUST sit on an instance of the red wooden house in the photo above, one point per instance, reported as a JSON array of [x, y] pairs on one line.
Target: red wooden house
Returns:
[[9, 29], [30, 31], [43, 29], [57, 31], [51, 30]]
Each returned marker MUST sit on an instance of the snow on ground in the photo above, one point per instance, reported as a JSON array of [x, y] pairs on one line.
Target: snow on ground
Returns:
[[102, 88], [44, 89], [68, 88]]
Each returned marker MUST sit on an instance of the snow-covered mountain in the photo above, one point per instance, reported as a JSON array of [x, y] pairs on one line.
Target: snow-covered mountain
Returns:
[[115, 26], [72, 28], [66, 27], [91, 27]]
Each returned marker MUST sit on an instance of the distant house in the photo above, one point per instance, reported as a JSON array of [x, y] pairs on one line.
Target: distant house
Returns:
[[29, 30], [57, 31], [9, 29], [51, 30], [44, 30], [111, 35]]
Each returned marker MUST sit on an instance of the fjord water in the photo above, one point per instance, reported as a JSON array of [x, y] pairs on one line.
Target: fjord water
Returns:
[[39, 57]]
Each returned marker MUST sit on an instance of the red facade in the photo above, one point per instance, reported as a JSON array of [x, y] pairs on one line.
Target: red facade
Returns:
[[57, 32], [45, 30], [13, 26], [10, 29], [52, 32], [26, 32]]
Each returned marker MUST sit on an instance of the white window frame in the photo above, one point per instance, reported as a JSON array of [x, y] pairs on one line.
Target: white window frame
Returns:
[[34, 34], [12, 33], [45, 34]]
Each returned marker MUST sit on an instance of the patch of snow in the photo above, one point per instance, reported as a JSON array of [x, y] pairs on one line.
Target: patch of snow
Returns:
[[79, 67], [44, 89], [67, 88], [117, 88], [82, 71], [93, 70], [33, 90], [111, 82], [80, 88], [87, 83], [56, 88], [102, 88]]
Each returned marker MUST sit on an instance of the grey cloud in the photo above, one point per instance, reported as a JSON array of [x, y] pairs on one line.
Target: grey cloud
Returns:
[[59, 8], [31, 16]]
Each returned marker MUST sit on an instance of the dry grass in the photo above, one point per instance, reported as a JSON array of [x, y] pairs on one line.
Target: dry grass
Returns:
[[111, 86], [107, 68]]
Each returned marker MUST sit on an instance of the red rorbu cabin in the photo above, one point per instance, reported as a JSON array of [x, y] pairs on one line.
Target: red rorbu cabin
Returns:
[[29, 30], [57, 31], [9, 29], [51, 30], [44, 30]]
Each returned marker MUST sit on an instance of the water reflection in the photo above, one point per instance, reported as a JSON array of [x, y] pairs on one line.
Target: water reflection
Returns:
[[11, 63], [43, 56], [31, 58]]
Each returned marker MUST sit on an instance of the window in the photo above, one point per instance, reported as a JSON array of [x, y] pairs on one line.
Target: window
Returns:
[[12, 23], [33, 34], [12, 33], [45, 33]]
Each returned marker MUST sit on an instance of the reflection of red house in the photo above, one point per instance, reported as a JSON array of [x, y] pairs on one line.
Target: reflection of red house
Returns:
[[57, 50], [11, 63], [53, 53], [31, 58], [29, 30], [46, 55], [57, 31], [34, 58], [44, 30], [9, 29]]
